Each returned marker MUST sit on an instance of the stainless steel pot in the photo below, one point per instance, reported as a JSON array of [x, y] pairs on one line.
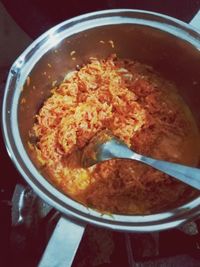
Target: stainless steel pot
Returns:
[[170, 46]]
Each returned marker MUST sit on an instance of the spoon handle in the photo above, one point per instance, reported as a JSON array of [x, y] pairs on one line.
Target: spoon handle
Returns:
[[188, 175], [116, 149]]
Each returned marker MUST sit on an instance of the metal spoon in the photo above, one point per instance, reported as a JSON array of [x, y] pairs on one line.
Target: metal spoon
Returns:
[[105, 146]]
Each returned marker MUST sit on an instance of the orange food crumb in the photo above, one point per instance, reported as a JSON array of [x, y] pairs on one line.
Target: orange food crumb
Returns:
[[72, 53], [23, 100], [111, 43], [28, 80]]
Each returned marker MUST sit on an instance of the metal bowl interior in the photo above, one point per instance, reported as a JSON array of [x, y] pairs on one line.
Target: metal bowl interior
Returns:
[[170, 46]]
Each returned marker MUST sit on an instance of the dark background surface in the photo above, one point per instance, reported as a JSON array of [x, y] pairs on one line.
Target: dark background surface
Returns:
[[35, 17]]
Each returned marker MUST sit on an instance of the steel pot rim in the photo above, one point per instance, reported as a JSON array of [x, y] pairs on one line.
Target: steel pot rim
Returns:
[[40, 185]]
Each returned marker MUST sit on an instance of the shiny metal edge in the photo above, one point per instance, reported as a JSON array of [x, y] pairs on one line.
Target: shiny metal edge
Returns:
[[61, 202]]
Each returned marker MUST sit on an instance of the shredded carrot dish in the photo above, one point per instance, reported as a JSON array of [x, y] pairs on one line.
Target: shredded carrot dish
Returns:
[[139, 107]]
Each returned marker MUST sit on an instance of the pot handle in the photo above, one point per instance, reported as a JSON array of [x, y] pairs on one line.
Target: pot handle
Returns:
[[196, 21], [63, 244]]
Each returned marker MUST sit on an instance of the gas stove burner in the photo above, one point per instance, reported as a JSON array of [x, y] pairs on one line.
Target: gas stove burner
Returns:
[[33, 222]]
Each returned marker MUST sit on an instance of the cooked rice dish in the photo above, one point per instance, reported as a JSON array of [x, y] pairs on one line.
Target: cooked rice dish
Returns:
[[140, 108]]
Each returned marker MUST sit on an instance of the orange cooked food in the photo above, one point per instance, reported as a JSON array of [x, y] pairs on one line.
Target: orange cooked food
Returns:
[[138, 106]]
